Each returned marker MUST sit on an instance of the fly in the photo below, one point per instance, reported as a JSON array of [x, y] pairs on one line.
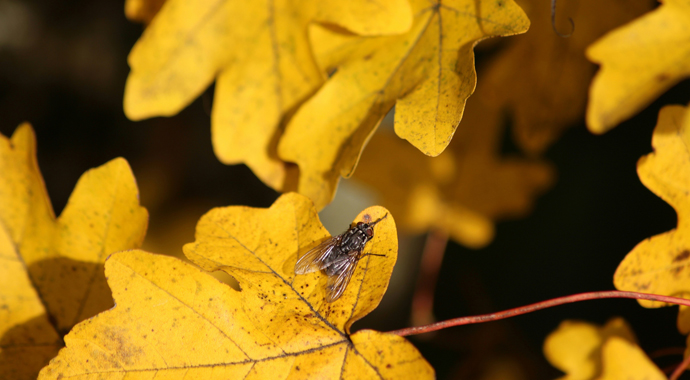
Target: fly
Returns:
[[338, 256]]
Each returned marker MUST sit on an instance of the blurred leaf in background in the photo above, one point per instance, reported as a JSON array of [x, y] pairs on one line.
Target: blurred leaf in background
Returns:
[[541, 79]]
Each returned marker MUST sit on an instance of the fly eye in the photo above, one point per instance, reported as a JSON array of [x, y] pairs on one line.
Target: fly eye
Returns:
[[369, 232], [359, 224]]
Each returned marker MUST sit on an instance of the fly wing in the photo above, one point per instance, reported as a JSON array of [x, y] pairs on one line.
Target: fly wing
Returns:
[[315, 258], [342, 273]]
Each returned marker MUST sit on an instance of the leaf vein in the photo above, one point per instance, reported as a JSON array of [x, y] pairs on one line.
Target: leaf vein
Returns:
[[190, 308], [321, 317], [190, 367]]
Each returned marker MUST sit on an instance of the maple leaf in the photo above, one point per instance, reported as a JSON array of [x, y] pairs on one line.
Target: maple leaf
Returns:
[[639, 61], [427, 73], [575, 347], [659, 264], [462, 191], [176, 321], [260, 57], [51, 274], [542, 78]]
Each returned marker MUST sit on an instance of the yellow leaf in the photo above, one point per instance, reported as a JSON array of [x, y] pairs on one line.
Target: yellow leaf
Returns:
[[639, 61], [427, 73], [244, 241], [624, 360], [260, 58], [174, 321], [52, 271], [27, 338], [575, 347], [464, 190], [660, 264], [542, 78]]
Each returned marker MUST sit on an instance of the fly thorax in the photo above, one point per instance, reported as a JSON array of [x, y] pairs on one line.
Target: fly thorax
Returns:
[[354, 240]]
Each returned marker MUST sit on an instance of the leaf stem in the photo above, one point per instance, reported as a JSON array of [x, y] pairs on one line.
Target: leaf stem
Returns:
[[537, 306]]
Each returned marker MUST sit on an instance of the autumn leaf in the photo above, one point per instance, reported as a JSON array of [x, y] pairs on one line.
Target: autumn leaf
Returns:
[[427, 73], [639, 62], [260, 58], [659, 264], [540, 78], [575, 347], [253, 245], [51, 275], [27, 338], [464, 190], [173, 320]]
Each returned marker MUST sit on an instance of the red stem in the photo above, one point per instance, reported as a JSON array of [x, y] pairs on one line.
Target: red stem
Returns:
[[537, 306], [681, 368], [432, 257]]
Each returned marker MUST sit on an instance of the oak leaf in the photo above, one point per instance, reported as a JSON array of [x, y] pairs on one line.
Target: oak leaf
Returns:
[[427, 73], [51, 276], [575, 347], [258, 54], [659, 264], [639, 61], [540, 78], [173, 320]]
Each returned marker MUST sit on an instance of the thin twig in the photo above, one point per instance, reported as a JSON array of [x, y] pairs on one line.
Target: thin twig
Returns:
[[537, 306], [432, 257], [668, 351], [679, 370]]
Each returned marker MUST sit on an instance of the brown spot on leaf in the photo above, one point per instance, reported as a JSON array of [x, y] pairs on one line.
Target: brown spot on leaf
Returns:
[[663, 77], [681, 256]]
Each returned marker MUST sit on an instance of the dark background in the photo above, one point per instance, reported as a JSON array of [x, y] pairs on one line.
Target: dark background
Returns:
[[63, 68]]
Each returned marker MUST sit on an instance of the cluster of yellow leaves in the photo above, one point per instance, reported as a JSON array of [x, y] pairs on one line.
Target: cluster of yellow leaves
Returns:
[[469, 186], [259, 56], [427, 73], [170, 318], [176, 321], [585, 351], [267, 60], [638, 63], [51, 270]]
